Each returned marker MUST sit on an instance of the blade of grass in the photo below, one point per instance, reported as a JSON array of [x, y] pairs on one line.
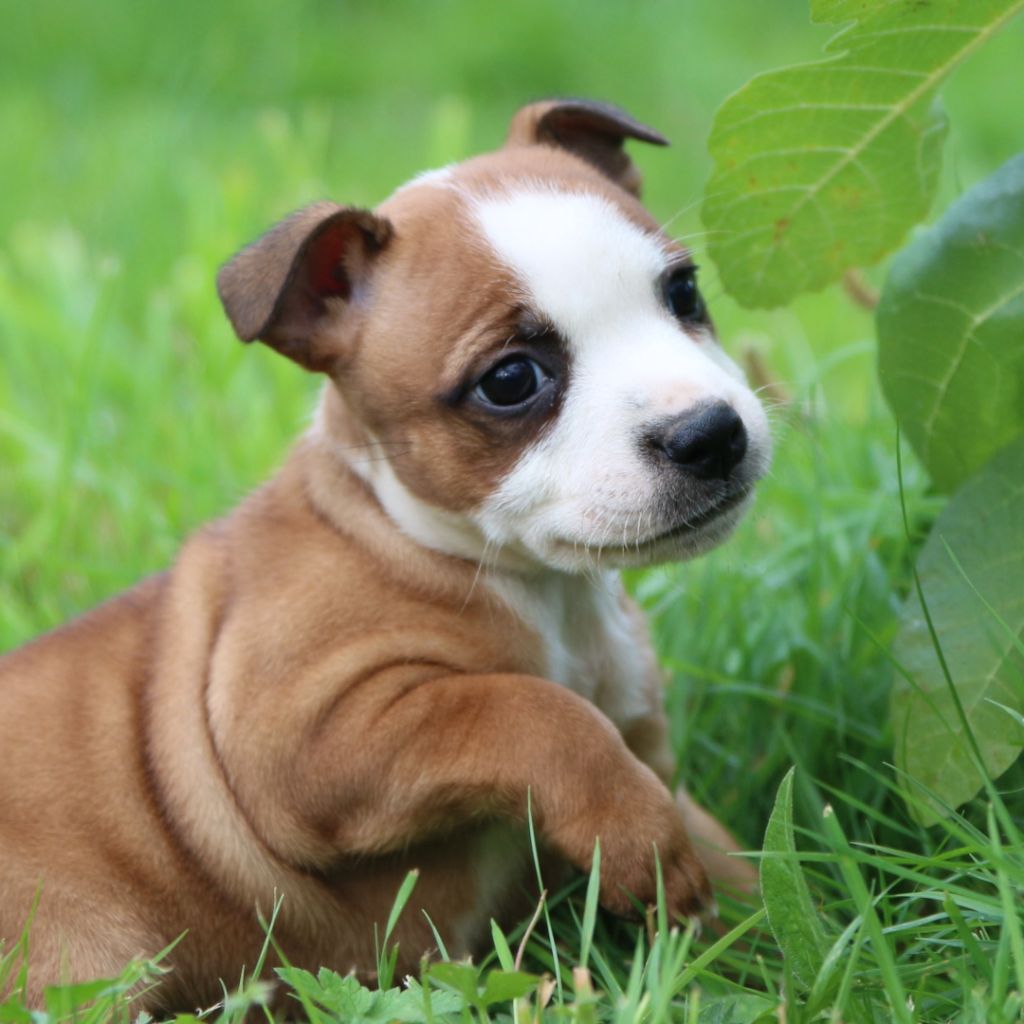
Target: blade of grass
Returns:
[[590, 906], [716, 949], [970, 944], [501, 947], [438, 941], [387, 960], [556, 965], [1011, 911], [865, 905]]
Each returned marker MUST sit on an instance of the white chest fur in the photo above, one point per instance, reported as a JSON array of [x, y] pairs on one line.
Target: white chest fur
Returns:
[[590, 639]]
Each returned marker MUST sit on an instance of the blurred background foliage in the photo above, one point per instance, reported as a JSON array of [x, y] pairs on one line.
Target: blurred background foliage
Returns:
[[118, 117]]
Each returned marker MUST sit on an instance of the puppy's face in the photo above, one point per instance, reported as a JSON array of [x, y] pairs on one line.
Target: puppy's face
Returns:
[[657, 441], [536, 374]]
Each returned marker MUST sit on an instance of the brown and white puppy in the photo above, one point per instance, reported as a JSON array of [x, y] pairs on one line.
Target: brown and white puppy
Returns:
[[370, 664]]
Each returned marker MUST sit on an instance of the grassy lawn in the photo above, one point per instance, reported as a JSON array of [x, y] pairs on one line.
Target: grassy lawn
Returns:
[[145, 143]]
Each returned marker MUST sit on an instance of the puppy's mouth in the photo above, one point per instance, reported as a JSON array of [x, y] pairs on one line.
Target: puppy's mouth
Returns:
[[695, 523], [693, 526]]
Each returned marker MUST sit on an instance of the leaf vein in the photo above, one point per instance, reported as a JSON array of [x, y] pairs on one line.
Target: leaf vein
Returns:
[[954, 366], [895, 111]]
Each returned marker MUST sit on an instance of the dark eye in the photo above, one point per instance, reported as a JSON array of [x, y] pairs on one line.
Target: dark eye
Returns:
[[511, 382], [682, 295]]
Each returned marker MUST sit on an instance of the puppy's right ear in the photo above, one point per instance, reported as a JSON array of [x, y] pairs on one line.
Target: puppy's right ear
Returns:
[[594, 131], [285, 287]]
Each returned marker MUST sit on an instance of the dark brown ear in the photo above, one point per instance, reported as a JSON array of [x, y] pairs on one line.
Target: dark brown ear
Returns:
[[278, 289], [594, 131]]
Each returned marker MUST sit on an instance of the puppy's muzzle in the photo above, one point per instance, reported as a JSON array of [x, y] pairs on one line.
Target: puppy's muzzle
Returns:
[[707, 443]]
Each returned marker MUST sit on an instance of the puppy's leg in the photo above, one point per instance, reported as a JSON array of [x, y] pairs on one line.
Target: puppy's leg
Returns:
[[408, 761]]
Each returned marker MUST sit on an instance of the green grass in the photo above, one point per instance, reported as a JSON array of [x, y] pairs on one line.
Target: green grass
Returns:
[[145, 143]]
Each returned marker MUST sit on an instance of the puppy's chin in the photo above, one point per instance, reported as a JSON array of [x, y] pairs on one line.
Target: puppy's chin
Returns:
[[671, 545]]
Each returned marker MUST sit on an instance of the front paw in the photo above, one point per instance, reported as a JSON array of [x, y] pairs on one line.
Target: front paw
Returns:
[[639, 828], [629, 870]]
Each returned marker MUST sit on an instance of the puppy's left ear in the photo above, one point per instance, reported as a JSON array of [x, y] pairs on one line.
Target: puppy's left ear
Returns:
[[594, 131], [287, 287]]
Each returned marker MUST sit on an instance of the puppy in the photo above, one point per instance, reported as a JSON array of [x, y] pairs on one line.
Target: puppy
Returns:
[[416, 626]]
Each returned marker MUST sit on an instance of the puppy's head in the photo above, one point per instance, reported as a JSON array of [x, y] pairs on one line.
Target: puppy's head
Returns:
[[527, 356]]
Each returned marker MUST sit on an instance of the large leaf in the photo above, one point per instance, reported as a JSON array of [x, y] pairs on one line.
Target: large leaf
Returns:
[[826, 166], [951, 330], [978, 611], [791, 912]]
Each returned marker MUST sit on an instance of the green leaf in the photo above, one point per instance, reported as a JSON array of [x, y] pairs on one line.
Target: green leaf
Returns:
[[737, 1009], [983, 528], [415, 1002], [951, 330], [329, 990], [12, 1012], [791, 912], [64, 1000], [409, 1007], [461, 978], [826, 166], [348, 1000], [499, 987], [504, 986], [844, 10]]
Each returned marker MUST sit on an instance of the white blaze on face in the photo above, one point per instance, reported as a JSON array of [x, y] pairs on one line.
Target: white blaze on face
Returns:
[[597, 277]]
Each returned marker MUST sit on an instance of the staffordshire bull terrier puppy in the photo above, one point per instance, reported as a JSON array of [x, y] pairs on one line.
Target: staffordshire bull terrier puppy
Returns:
[[416, 625]]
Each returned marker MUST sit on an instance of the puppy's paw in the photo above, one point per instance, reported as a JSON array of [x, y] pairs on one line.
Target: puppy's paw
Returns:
[[629, 868], [639, 826]]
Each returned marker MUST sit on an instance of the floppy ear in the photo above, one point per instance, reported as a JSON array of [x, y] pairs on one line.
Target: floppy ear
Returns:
[[281, 288], [593, 131]]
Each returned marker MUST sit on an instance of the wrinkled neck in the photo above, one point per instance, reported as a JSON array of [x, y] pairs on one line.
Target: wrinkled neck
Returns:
[[338, 433]]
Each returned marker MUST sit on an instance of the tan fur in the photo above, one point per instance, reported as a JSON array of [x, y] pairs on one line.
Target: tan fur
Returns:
[[310, 703]]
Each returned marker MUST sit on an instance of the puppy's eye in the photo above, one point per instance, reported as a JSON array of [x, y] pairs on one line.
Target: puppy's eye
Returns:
[[682, 295], [512, 382]]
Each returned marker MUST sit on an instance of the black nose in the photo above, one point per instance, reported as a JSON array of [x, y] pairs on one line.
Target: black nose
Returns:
[[709, 443]]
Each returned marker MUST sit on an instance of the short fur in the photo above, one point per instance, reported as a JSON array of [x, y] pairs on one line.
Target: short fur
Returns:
[[349, 676]]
